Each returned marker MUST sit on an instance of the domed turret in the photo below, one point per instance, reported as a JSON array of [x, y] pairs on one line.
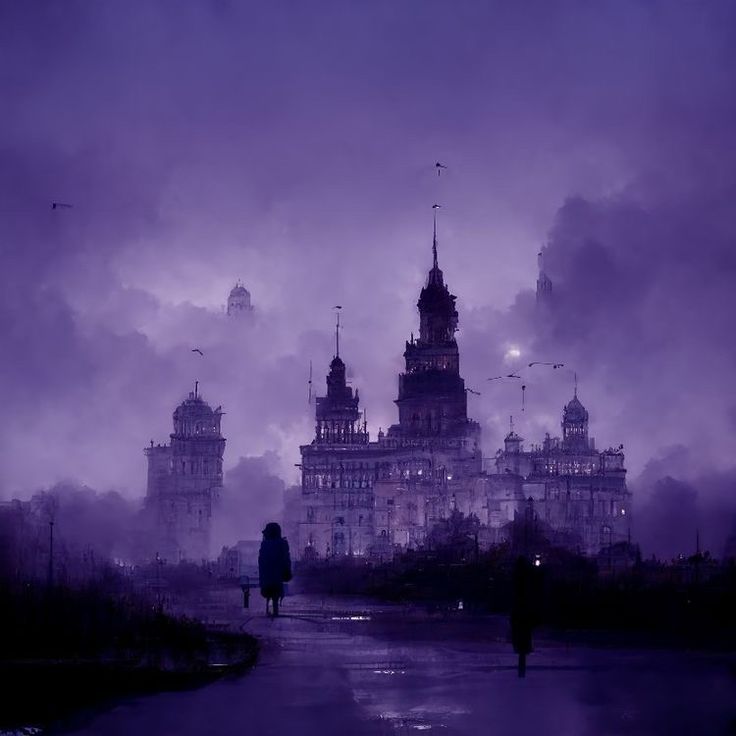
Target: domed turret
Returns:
[[575, 425], [238, 303], [185, 478], [194, 417], [574, 411], [239, 290]]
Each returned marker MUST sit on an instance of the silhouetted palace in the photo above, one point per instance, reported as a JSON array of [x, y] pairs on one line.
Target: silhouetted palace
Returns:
[[372, 498]]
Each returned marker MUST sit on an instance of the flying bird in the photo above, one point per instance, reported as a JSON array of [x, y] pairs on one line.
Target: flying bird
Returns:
[[555, 366], [508, 375], [197, 350], [59, 205], [470, 391], [439, 167]]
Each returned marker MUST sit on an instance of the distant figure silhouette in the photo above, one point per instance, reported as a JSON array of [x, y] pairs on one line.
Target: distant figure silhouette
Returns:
[[274, 566], [522, 613]]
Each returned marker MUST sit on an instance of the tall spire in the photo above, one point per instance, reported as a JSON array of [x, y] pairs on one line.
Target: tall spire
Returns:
[[337, 330], [435, 207]]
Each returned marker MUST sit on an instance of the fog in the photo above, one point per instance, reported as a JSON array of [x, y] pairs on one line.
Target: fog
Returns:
[[294, 148]]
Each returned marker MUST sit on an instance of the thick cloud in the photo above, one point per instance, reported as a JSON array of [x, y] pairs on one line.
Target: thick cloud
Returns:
[[294, 148], [252, 496]]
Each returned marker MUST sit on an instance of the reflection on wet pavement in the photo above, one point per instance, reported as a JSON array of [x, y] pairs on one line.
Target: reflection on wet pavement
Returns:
[[350, 667]]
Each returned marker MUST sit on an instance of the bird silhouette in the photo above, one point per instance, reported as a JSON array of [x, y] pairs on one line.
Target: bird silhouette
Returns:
[[508, 375], [197, 350], [555, 366], [439, 167], [59, 205]]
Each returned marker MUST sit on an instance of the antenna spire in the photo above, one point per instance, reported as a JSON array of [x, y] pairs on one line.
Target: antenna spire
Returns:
[[576, 384], [337, 331], [511, 424], [196, 389], [309, 393], [435, 207]]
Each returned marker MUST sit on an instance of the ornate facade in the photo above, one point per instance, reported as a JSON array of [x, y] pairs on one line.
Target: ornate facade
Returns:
[[372, 498], [184, 481]]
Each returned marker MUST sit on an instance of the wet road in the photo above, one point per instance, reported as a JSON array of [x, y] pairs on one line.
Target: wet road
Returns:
[[345, 667]]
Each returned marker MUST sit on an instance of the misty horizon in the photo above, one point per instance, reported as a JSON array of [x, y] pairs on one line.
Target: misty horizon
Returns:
[[295, 151]]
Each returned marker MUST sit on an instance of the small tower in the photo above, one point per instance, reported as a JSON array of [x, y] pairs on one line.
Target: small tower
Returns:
[[185, 479], [238, 303], [432, 399], [337, 413], [575, 425], [512, 441], [544, 283], [437, 312]]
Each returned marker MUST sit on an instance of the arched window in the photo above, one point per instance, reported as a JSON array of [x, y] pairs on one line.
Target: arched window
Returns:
[[606, 538]]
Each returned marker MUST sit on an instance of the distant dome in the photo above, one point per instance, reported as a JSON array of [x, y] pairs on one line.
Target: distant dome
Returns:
[[238, 303], [575, 411], [239, 290]]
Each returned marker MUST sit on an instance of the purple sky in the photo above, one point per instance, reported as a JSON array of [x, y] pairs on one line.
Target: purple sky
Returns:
[[292, 145]]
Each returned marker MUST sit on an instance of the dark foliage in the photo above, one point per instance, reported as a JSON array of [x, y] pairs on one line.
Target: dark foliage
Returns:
[[64, 649]]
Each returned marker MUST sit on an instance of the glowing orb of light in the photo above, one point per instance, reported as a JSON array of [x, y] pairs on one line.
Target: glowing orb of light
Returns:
[[512, 353]]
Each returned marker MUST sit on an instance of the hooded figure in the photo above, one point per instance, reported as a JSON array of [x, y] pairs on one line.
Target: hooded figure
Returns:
[[274, 565]]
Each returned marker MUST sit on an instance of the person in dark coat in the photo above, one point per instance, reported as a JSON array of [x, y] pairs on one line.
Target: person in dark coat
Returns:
[[274, 566]]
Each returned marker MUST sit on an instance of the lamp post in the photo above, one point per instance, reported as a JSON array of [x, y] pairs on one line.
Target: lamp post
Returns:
[[51, 554]]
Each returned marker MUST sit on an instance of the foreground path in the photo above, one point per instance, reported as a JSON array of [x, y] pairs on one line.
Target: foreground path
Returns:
[[347, 667]]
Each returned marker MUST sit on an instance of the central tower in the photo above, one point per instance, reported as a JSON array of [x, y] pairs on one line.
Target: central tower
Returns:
[[432, 399]]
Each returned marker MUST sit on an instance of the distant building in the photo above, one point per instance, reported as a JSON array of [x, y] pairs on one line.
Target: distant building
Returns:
[[238, 302], [544, 283], [349, 483], [184, 481], [240, 560], [576, 491], [372, 498]]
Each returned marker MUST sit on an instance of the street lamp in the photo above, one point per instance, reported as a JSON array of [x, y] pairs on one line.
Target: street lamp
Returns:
[[51, 554]]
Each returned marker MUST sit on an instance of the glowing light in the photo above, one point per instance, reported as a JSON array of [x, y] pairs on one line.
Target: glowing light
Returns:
[[389, 672], [350, 618], [512, 353]]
